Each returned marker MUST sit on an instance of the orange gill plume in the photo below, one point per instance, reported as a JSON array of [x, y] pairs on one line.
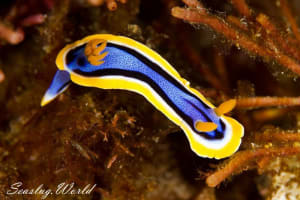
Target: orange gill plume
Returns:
[[93, 51]]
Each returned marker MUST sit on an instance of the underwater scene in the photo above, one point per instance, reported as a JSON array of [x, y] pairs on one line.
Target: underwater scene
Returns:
[[149, 100]]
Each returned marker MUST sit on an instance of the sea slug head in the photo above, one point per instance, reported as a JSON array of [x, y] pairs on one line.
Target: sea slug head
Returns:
[[87, 54]]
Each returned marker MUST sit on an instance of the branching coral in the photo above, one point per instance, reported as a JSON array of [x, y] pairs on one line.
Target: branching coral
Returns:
[[256, 102], [259, 36], [243, 159]]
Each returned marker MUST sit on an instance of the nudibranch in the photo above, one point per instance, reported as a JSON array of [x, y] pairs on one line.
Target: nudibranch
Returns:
[[115, 62]]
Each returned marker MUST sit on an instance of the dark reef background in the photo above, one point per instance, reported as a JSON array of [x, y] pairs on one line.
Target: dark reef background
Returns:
[[247, 50]]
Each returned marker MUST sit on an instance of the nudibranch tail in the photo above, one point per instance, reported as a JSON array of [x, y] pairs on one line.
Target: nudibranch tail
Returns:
[[59, 84], [129, 65]]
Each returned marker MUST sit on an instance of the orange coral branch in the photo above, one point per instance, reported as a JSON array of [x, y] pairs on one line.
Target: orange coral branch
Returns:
[[272, 30], [280, 136], [255, 102], [241, 159], [126, 150], [193, 3], [263, 163], [111, 161], [242, 7], [220, 26], [237, 22], [290, 19]]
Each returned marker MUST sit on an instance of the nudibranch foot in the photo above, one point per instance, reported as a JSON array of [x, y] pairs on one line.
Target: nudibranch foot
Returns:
[[130, 65]]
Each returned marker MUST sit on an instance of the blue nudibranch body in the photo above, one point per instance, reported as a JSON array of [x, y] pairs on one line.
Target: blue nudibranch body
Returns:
[[115, 62]]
